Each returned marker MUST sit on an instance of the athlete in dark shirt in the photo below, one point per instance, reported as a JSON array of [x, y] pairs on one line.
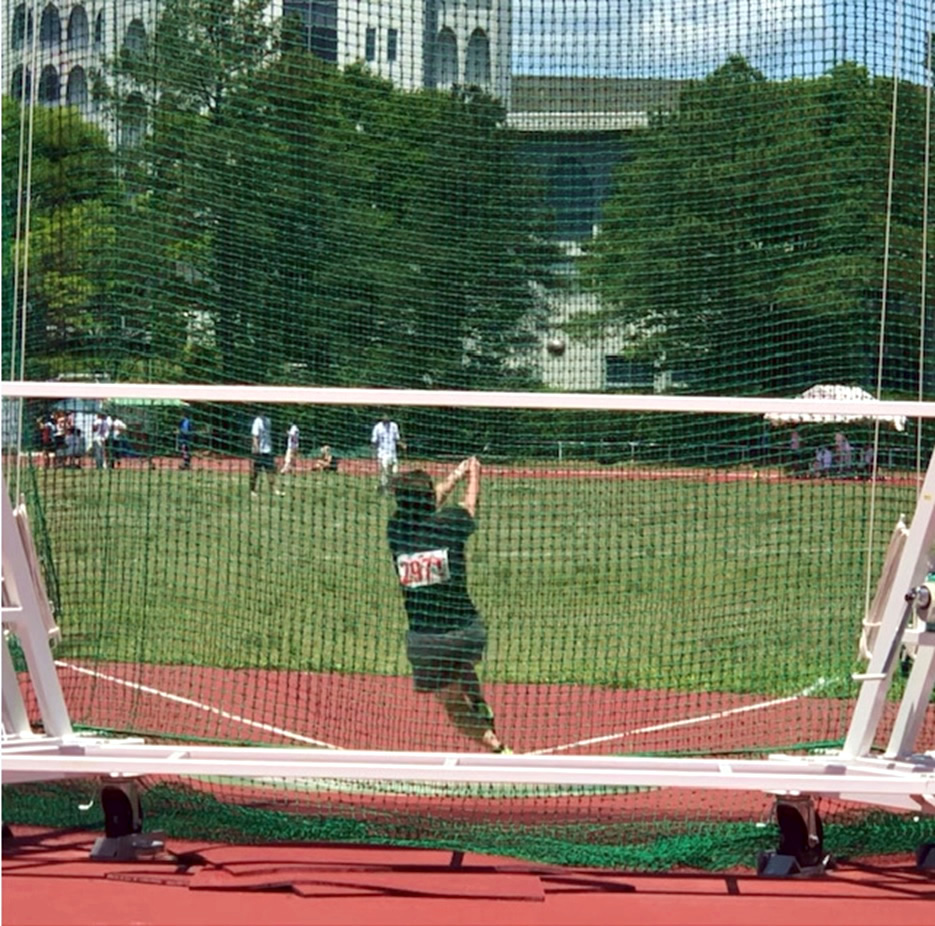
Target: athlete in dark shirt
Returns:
[[446, 636]]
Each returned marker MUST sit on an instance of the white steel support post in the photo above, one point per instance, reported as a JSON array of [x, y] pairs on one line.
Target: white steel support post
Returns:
[[26, 615], [15, 717], [876, 681], [915, 700]]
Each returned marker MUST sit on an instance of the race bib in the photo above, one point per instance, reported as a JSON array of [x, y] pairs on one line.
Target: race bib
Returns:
[[429, 567]]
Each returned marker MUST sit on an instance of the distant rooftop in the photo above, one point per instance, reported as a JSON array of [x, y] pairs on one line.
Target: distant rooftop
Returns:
[[550, 94], [587, 104]]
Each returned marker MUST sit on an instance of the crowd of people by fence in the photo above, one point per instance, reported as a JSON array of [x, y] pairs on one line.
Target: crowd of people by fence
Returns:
[[70, 439], [836, 458]]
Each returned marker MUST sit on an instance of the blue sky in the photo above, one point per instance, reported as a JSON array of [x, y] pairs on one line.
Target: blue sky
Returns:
[[689, 38]]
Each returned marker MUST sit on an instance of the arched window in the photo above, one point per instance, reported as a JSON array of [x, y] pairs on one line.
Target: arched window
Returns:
[[49, 86], [477, 59], [19, 90], [135, 39], [76, 93], [50, 27], [21, 34], [99, 23], [78, 29], [447, 51], [133, 120]]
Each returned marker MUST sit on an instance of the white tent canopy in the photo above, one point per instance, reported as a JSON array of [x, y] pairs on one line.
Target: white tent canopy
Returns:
[[833, 394]]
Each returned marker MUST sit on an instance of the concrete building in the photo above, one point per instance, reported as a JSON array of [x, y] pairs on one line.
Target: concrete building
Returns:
[[432, 44], [53, 48]]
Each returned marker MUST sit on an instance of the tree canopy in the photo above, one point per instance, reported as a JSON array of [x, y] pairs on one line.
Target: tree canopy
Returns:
[[70, 202], [744, 241]]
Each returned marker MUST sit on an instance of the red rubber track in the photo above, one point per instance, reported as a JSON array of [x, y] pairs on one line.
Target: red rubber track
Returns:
[[48, 880]]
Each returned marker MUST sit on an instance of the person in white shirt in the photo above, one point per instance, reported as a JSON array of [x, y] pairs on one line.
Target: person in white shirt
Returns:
[[292, 450], [843, 453], [263, 461], [823, 461], [119, 443], [386, 440], [99, 438]]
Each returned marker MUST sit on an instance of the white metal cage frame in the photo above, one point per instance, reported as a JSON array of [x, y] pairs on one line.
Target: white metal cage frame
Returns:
[[900, 778]]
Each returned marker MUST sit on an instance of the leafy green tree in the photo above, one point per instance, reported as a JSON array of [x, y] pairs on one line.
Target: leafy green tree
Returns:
[[454, 236], [744, 242], [177, 285], [319, 225], [58, 229]]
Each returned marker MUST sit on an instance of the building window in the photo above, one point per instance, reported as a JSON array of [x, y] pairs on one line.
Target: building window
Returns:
[[318, 25], [623, 373], [49, 86], [133, 120], [76, 91], [392, 41], [572, 198], [22, 34], [477, 60], [78, 29], [446, 68], [21, 85], [370, 44], [134, 40], [50, 28]]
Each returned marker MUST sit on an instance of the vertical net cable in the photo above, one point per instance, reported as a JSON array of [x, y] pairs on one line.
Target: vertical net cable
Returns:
[[926, 187]]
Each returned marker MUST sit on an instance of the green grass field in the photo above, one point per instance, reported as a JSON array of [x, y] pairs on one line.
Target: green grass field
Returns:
[[735, 585]]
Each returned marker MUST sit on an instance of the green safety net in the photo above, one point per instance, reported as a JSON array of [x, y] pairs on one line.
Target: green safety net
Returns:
[[718, 199]]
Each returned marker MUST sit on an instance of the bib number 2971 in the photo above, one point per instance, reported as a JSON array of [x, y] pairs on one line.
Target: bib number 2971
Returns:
[[429, 567]]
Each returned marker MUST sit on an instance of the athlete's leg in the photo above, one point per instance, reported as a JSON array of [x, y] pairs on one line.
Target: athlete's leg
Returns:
[[463, 711], [254, 474]]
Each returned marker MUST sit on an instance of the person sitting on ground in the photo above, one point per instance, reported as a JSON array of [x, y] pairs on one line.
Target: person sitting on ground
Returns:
[[324, 460]]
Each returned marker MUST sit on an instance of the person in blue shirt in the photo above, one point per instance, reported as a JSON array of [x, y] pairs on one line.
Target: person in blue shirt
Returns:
[[184, 440]]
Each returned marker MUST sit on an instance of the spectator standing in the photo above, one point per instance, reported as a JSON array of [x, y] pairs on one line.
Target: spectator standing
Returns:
[[59, 433], [844, 455], [824, 461], [292, 450], [46, 445], [74, 443], [119, 443], [263, 460], [184, 438], [99, 438], [386, 441]]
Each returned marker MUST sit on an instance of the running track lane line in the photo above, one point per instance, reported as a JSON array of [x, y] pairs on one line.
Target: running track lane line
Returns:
[[188, 702], [818, 685], [688, 721]]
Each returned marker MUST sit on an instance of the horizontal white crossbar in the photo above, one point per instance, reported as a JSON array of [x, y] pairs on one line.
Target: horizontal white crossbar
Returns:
[[824, 775], [586, 401]]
